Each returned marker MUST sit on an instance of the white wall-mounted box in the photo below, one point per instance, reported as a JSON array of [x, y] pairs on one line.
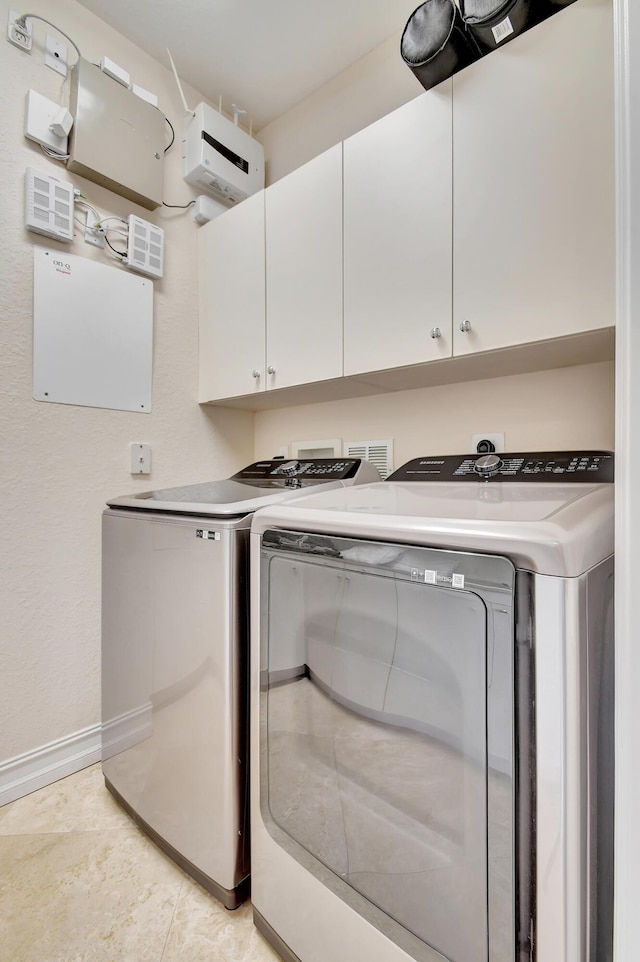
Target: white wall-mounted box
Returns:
[[49, 205], [220, 157], [117, 139]]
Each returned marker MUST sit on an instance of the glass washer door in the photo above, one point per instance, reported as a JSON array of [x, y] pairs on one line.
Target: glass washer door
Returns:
[[376, 725]]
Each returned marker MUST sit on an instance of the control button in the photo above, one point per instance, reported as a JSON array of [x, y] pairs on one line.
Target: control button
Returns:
[[488, 465]]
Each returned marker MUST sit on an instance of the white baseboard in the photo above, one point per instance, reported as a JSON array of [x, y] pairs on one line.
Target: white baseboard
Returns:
[[127, 730], [27, 773]]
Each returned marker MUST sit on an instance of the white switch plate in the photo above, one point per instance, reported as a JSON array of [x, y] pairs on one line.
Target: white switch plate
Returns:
[[496, 439], [140, 458], [55, 55]]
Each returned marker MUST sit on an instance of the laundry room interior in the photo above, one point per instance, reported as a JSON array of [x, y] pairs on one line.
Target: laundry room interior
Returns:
[[543, 379]]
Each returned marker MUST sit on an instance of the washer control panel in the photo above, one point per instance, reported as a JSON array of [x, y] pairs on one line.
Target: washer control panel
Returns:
[[553, 466], [298, 474]]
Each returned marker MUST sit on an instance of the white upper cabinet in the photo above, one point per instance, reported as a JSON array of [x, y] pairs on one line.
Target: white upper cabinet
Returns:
[[533, 186], [232, 302], [397, 237], [304, 273], [477, 217]]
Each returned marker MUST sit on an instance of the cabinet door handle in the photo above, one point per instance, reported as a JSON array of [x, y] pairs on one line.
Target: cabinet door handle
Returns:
[[271, 370], [255, 374], [435, 332], [465, 326]]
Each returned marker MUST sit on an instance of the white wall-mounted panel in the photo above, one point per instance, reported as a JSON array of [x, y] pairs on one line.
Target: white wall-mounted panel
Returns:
[[92, 333]]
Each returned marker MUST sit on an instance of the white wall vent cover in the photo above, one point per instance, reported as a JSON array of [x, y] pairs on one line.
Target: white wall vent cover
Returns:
[[380, 453], [145, 252], [48, 205]]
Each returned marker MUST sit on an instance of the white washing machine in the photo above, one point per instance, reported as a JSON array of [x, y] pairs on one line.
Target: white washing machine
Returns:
[[432, 714], [175, 659]]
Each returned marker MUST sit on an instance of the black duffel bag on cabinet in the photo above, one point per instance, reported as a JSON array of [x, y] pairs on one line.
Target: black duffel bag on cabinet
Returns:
[[492, 22], [435, 43]]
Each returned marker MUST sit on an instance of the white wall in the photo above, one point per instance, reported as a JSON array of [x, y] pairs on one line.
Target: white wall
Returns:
[[369, 89], [60, 463], [569, 408]]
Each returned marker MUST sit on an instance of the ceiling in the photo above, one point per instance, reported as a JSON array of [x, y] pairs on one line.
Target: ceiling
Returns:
[[263, 55]]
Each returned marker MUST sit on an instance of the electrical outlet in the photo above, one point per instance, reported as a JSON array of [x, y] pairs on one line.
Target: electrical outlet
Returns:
[[497, 440], [18, 36]]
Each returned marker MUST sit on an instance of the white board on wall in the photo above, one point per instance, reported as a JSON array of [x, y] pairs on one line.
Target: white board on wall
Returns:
[[92, 333]]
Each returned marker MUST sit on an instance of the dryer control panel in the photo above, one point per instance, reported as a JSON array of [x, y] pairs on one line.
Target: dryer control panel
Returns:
[[553, 466]]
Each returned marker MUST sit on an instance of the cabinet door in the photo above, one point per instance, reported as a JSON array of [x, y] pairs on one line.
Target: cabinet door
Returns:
[[232, 302], [534, 184], [304, 273], [397, 237]]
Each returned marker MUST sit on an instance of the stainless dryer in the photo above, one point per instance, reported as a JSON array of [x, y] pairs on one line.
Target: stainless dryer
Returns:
[[432, 717], [175, 659]]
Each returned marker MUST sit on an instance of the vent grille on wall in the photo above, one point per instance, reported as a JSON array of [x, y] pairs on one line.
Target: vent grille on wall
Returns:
[[48, 205], [146, 247], [379, 453]]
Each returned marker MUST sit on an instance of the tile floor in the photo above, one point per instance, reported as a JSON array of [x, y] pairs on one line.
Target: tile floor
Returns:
[[79, 882]]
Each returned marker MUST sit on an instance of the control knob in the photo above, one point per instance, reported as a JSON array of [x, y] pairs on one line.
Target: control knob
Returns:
[[488, 465], [290, 468]]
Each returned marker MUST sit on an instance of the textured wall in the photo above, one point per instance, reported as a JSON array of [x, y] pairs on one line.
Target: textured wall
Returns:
[[59, 462]]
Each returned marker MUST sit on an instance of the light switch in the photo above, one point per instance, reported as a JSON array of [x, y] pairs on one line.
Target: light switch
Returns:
[[140, 458]]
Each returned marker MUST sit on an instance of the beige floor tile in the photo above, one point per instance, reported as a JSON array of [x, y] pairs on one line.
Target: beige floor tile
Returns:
[[79, 882], [86, 897], [204, 931], [78, 803]]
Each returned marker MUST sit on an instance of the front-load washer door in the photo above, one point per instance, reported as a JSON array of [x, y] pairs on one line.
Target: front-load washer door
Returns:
[[387, 730]]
